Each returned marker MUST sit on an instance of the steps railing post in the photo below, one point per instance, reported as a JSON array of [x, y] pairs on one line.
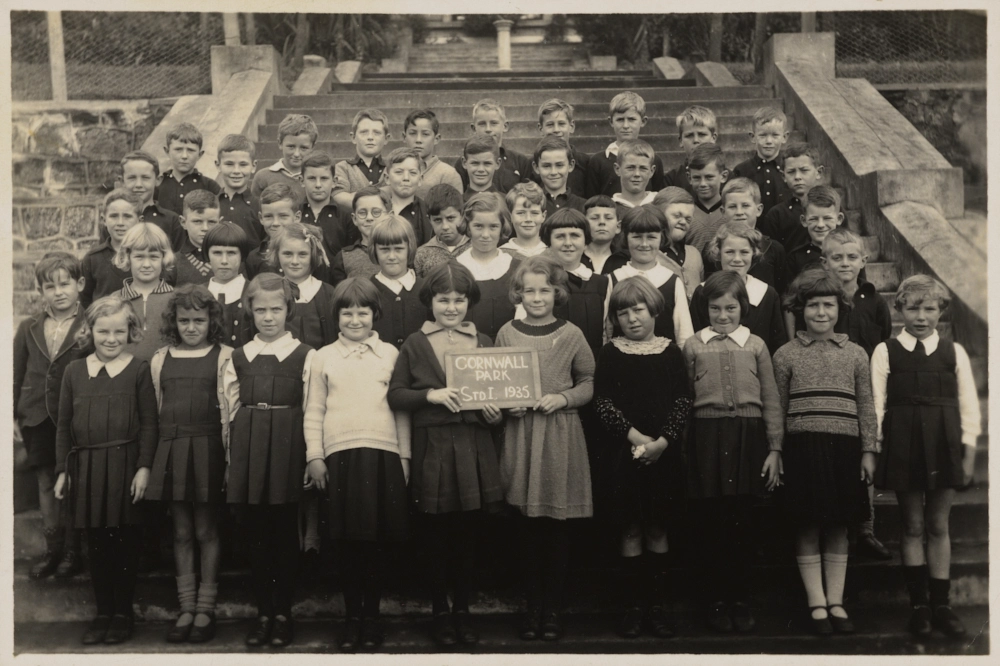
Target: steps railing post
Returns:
[[57, 56], [503, 27]]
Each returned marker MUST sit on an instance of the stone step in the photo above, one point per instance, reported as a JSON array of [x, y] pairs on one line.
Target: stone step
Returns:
[[872, 247], [881, 631], [524, 107], [554, 85], [883, 274], [513, 95], [855, 221], [572, 75]]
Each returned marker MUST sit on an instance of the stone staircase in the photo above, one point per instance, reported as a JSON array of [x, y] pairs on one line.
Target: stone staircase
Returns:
[[480, 55], [875, 592]]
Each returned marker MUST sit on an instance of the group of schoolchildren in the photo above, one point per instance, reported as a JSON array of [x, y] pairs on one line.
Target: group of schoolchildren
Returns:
[[249, 342]]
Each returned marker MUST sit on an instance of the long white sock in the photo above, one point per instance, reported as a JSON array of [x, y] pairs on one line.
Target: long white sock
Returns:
[[835, 573], [811, 570]]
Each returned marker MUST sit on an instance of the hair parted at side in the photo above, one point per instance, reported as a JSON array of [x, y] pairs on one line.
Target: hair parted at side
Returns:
[[479, 144], [143, 236], [422, 114], [555, 105], [741, 186], [200, 201], [355, 292], [626, 100], [317, 159], [734, 230], [800, 149], [669, 196], [268, 282], [121, 195], [447, 278], [815, 282], [823, 196], [52, 263], [374, 115], [842, 236], [192, 297], [540, 264], [276, 192], [918, 288], [636, 147], [141, 156], [489, 104], [441, 197], [108, 306], [294, 124], [237, 143], [552, 143], [403, 153], [769, 114], [186, 133], [565, 218], [706, 154], [487, 202], [633, 291], [392, 230], [371, 191], [726, 283]]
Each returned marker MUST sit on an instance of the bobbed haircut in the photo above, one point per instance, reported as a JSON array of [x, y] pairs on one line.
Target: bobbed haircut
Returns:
[[141, 156], [295, 123], [422, 114], [392, 230], [487, 202], [271, 282], [555, 105], [443, 196], [373, 115], [479, 144], [646, 219], [143, 236], [769, 114], [741, 186], [918, 288], [355, 292], [371, 191], [705, 154], [185, 132], [823, 196], [530, 191], [815, 282], [669, 196], [599, 201], [237, 143], [800, 149], [726, 283], [227, 234], [200, 200], [403, 153], [734, 230], [121, 195], [489, 104], [635, 147], [276, 192], [626, 100], [52, 263], [540, 264], [108, 306], [308, 234], [192, 297], [696, 116], [565, 218], [633, 291], [317, 159], [552, 143], [446, 278]]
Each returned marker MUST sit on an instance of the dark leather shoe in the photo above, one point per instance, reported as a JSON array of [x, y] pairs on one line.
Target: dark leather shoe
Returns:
[[260, 634], [552, 629], [97, 630], [841, 625], [443, 631], [742, 619], [371, 635], [718, 618], [282, 632], [46, 566], [463, 628], [119, 631], [820, 626], [531, 625], [870, 547], [180, 633], [350, 637], [205, 633], [920, 622], [659, 622], [71, 564], [631, 624], [944, 620]]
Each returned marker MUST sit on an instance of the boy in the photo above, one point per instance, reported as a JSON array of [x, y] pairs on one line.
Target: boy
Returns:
[[369, 206], [707, 173], [319, 208], [601, 255], [555, 118], [183, 149], [297, 135], [226, 245], [635, 165], [769, 132], [119, 213], [444, 206], [369, 134], [404, 168], [279, 205], [627, 115], [822, 215], [480, 160], [802, 171], [43, 346], [201, 213], [677, 205], [489, 118], [237, 160], [421, 130], [553, 163], [140, 176], [526, 203], [741, 203], [695, 126]]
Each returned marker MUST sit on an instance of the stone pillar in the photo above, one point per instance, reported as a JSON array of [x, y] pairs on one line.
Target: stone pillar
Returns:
[[57, 57], [231, 28], [503, 27], [808, 21]]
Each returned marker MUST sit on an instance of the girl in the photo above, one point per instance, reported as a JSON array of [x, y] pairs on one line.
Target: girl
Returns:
[[105, 441], [366, 449], [454, 471], [927, 410], [544, 465], [677, 205], [736, 423], [267, 452], [190, 462], [825, 391], [643, 409], [735, 245], [120, 213], [644, 229], [393, 246], [486, 221], [526, 203], [145, 252], [225, 246]]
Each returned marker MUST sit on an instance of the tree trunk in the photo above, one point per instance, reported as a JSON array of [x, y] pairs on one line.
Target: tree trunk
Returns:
[[301, 42], [251, 26], [759, 33], [715, 38], [665, 34], [338, 36]]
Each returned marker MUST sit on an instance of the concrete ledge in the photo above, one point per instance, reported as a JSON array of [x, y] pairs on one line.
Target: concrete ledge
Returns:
[[238, 109], [187, 109], [348, 71], [393, 66], [229, 60], [313, 81], [817, 50], [942, 189], [603, 63], [714, 74], [668, 68]]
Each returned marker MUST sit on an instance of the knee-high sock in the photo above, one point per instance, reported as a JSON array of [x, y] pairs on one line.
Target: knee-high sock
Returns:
[[127, 546], [656, 577], [207, 594], [187, 592], [811, 570], [556, 558], [916, 583], [634, 581], [285, 556], [102, 569], [940, 589], [259, 547], [834, 573]]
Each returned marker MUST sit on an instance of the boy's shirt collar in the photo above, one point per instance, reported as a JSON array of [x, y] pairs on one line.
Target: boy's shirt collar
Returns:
[[47, 311], [187, 247], [465, 328], [708, 211], [232, 290], [242, 194], [761, 163], [756, 290], [562, 194], [279, 167], [612, 149], [619, 199], [357, 160], [194, 174], [130, 294], [434, 242]]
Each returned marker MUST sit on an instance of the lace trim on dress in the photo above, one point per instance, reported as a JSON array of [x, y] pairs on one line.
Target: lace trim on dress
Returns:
[[641, 347]]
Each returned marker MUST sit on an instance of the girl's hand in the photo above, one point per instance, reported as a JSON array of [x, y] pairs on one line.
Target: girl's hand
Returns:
[[317, 474], [445, 396], [868, 467], [517, 412], [406, 469], [552, 402], [654, 450], [968, 464], [492, 414], [62, 485], [17, 433], [636, 438], [773, 469], [139, 483]]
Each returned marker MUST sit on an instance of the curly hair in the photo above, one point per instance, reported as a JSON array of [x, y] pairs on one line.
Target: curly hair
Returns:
[[736, 230], [540, 264], [917, 288], [108, 306], [192, 297], [815, 283]]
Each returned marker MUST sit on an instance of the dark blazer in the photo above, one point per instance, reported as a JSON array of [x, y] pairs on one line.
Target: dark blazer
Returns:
[[37, 378]]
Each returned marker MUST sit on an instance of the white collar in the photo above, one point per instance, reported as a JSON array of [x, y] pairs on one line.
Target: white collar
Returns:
[[494, 269], [114, 366], [658, 274], [619, 199], [405, 282], [612, 149], [756, 290], [582, 272], [279, 167], [909, 342], [280, 348], [347, 347], [739, 336], [526, 251], [308, 289], [232, 289], [177, 352]]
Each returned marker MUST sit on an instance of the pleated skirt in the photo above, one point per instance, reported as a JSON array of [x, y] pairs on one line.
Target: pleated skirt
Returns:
[[454, 468], [725, 457], [100, 486], [188, 469], [267, 457], [822, 480], [922, 449], [368, 499]]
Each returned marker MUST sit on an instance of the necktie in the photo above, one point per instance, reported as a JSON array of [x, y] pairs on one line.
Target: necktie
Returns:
[[919, 349]]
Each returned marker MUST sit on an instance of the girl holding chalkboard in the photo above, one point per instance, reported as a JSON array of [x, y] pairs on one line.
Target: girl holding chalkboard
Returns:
[[454, 473], [546, 474]]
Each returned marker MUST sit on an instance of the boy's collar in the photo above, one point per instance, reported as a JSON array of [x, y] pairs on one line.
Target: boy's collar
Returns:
[[47, 311], [561, 193], [715, 207], [762, 162], [619, 198], [279, 167], [357, 159], [172, 173], [245, 192], [131, 294]]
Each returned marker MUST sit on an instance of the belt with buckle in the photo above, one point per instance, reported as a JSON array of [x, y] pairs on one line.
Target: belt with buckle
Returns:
[[263, 406]]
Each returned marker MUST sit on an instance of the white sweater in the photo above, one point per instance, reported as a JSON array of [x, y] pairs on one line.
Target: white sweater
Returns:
[[347, 406]]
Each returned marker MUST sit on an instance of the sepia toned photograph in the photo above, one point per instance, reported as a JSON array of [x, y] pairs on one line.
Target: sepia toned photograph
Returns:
[[499, 334]]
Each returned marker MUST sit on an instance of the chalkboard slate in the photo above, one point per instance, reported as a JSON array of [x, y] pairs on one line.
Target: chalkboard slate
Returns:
[[501, 376]]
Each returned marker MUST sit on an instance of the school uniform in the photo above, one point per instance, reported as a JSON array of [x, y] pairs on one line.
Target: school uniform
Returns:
[[469, 193], [313, 321], [801, 257], [675, 321], [587, 305], [609, 265], [601, 176], [783, 223], [277, 173], [437, 172], [150, 311], [513, 168], [623, 205], [704, 224], [402, 312], [101, 276], [688, 264], [191, 264], [433, 253], [236, 323], [494, 308], [764, 318], [332, 221], [522, 253], [769, 176], [577, 180], [171, 191], [354, 174], [565, 199], [770, 266], [352, 261], [167, 220], [242, 209], [678, 177], [416, 214]]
